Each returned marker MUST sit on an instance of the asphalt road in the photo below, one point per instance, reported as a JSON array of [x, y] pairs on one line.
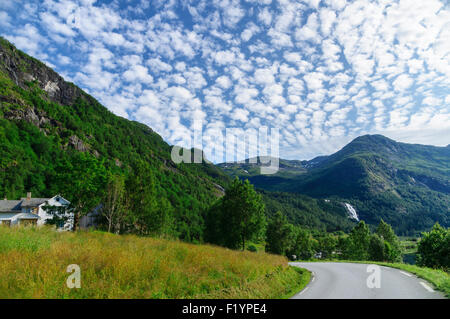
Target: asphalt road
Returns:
[[349, 281]]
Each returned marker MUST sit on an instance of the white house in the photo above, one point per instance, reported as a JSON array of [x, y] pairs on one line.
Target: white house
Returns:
[[32, 211]]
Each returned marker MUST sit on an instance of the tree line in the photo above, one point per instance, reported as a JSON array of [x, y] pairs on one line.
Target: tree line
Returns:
[[130, 204], [239, 217], [360, 244]]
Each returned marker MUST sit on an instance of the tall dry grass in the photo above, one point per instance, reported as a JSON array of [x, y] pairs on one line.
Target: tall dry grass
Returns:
[[33, 263]]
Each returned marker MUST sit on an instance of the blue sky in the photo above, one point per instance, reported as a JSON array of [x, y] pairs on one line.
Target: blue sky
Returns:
[[322, 71]]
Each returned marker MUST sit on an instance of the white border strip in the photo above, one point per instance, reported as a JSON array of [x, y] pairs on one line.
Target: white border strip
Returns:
[[303, 291], [406, 274], [426, 286]]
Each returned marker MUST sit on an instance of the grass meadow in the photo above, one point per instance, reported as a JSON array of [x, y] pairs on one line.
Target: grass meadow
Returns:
[[34, 261]]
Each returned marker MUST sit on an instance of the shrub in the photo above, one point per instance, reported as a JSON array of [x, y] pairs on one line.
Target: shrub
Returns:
[[434, 248]]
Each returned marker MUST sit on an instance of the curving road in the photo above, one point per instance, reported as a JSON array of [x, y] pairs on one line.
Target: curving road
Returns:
[[349, 281]]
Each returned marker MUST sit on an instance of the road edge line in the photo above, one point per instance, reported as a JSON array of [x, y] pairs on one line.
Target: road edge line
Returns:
[[405, 273], [313, 275], [426, 286]]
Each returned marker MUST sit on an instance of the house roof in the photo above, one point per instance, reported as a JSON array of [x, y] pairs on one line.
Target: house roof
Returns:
[[16, 205], [9, 205], [33, 202]]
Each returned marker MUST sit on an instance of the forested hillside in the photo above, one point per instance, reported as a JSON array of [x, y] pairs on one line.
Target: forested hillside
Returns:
[[56, 139], [407, 185], [308, 212]]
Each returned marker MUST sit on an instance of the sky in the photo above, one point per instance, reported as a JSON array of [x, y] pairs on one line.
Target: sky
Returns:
[[321, 71]]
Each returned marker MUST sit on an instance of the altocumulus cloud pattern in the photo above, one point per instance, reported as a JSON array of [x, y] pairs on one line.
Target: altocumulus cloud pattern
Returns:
[[322, 71]]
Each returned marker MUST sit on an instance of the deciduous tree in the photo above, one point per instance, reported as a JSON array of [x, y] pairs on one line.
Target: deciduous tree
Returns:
[[83, 181], [358, 242], [113, 207], [279, 235], [434, 248], [239, 216]]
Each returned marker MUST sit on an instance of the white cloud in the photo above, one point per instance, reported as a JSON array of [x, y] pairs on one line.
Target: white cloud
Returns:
[[64, 59], [239, 115], [327, 19], [432, 101], [5, 19], [293, 57], [156, 65], [324, 70], [56, 26], [336, 4], [402, 82], [224, 82], [248, 33], [224, 57], [245, 95], [309, 31], [415, 66], [179, 94], [313, 3], [114, 39], [180, 66], [314, 80], [195, 79], [264, 76], [138, 73], [280, 39], [265, 16], [232, 14]]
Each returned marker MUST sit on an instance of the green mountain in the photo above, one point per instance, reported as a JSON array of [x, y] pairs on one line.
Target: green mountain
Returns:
[[407, 185], [251, 167], [50, 130], [49, 126]]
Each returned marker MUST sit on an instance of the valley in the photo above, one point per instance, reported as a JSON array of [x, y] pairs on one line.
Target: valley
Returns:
[[407, 185], [156, 220]]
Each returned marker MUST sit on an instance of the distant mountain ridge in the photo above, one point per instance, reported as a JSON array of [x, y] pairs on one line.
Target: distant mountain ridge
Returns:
[[408, 185], [251, 167]]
